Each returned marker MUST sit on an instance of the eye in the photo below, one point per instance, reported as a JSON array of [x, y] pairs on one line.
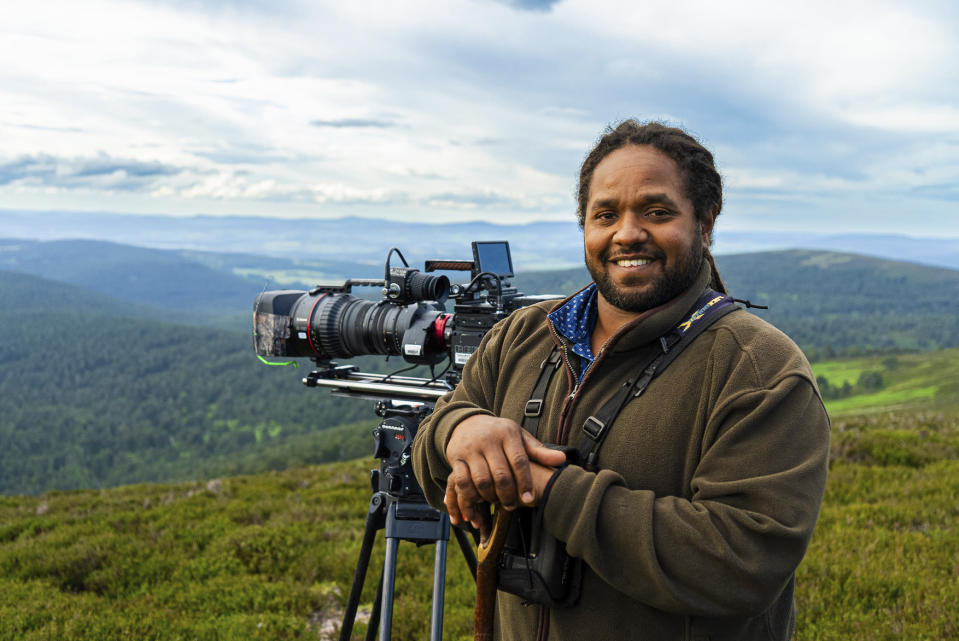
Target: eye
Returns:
[[604, 215]]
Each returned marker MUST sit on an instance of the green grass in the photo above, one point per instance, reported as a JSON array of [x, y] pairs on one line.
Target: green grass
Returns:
[[271, 556], [255, 557], [885, 399], [911, 382], [846, 370]]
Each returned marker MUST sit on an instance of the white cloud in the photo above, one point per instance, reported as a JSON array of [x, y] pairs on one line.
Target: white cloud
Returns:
[[468, 108]]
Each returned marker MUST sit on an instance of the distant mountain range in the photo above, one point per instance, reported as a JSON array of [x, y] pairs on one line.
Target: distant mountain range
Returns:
[[536, 246], [841, 303]]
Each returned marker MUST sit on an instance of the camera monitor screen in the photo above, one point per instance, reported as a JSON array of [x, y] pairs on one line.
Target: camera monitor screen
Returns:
[[493, 256]]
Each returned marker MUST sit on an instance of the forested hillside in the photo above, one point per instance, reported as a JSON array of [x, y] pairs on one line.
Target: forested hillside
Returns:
[[92, 396]]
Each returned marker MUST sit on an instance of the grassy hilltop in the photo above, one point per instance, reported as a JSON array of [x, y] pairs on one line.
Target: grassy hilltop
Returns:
[[271, 556]]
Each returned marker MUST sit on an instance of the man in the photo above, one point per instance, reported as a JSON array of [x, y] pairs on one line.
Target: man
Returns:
[[707, 486]]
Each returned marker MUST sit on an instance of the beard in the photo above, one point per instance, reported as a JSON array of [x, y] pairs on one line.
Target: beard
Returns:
[[667, 285]]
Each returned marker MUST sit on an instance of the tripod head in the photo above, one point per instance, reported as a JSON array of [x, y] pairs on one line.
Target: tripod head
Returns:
[[392, 440]]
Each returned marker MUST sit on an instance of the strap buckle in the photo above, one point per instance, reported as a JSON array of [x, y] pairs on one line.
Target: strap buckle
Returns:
[[594, 427], [534, 407], [553, 359]]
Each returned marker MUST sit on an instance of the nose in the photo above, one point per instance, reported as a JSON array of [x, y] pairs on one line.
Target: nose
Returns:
[[630, 231]]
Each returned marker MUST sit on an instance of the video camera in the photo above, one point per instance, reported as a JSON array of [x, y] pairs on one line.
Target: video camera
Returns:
[[410, 320]]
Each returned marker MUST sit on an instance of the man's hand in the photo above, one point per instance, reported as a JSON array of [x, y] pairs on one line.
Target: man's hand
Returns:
[[494, 460]]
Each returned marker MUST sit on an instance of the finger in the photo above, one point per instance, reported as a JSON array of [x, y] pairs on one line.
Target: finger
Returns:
[[518, 458], [449, 500], [468, 510], [484, 469], [503, 489], [465, 491]]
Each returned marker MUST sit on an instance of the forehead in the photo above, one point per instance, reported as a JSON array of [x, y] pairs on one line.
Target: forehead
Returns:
[[636, 167]]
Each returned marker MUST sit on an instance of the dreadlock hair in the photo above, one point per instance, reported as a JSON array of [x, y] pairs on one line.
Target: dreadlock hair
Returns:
[[702, 184]]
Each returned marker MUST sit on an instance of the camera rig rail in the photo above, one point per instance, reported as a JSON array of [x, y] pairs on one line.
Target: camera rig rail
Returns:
[[347, 380]]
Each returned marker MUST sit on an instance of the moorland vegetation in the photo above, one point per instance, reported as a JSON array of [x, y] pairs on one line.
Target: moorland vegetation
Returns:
[[271, 556]]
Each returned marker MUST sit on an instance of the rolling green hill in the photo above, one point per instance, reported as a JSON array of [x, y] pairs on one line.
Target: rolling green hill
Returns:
[[927, 380], [179, 287], [183, 285]]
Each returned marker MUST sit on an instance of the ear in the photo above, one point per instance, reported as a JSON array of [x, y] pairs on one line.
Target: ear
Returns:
[[706, 227]]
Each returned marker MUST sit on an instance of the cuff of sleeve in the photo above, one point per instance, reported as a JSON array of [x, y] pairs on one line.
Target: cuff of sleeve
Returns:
[[549, 487], [572, 483], [582, 494]]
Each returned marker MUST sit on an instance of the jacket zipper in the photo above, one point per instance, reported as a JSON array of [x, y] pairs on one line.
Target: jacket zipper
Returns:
[[571, 385], [562, 436]]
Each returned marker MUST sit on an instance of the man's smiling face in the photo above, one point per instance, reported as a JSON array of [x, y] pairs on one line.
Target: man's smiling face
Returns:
[[643, 243]]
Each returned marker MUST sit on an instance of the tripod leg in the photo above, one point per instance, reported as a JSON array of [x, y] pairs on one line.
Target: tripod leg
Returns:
[[375, 613], [389, 579], [374, 522], [439, 590]]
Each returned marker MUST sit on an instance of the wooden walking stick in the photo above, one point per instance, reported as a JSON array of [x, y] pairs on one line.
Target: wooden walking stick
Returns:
[[492, 539]]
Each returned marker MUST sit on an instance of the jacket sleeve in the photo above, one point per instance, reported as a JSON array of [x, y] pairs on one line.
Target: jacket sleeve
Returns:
[[729, 549], [474, 395]]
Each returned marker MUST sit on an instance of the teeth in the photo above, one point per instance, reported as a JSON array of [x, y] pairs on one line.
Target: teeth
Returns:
[[633, 262]]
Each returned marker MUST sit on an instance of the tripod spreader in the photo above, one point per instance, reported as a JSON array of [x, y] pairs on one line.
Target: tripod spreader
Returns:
[[410, 521]]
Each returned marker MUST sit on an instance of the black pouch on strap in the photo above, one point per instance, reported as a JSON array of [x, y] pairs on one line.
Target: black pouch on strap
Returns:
[[534, 564], [545, 574]]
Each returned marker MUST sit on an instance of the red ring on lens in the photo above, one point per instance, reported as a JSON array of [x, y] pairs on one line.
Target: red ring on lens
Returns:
[[439, 329]]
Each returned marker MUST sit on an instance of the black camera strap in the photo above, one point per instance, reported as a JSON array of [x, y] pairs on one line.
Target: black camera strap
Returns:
[[537, 398], [710, 307]]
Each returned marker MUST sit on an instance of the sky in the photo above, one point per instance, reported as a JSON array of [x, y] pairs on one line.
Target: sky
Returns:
[[823, 116]]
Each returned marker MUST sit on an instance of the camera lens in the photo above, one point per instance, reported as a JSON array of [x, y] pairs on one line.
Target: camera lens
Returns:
[[336, 325], [429, 287]]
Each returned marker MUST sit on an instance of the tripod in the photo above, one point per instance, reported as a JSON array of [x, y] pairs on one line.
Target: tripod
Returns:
[[399, 507]]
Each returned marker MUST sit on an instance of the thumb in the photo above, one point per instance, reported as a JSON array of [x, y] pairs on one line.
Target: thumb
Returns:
[[542, 454]]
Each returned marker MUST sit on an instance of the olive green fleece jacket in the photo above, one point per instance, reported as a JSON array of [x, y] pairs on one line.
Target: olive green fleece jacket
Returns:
[[709, 485]]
